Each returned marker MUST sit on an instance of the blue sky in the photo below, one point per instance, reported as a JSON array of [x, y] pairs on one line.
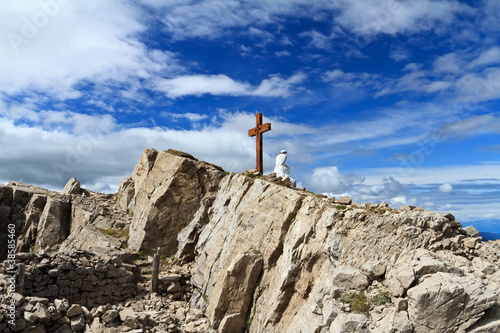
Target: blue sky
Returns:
[[393, 101]]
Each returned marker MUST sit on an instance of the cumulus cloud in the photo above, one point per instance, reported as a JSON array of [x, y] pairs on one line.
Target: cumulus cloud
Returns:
[[331, 180], [446, 188], [389, 188], [52, 47], [48, 148]]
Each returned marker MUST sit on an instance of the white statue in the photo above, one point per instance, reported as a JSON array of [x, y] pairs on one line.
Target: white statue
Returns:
[[281, 169]]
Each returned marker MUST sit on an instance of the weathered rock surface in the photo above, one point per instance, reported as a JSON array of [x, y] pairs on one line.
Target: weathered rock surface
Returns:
[[168, 192], [54, 224], [261, 257], [233, 292], [444, 302], [313, 249], [71, 187]]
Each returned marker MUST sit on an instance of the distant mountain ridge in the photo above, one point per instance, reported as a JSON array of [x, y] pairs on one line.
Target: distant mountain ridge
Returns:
[[489, 229], [490, 236]]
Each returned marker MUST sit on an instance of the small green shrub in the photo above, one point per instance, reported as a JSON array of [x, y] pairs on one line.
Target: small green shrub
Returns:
[[116, 233], [341, 207], [381, 298], [345, 298], [360, 303]]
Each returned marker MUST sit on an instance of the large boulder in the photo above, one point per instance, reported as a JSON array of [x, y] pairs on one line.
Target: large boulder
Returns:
[[168, 191], [445, 302], [400, 279], [54, 225], [126, 192], [71, 187]]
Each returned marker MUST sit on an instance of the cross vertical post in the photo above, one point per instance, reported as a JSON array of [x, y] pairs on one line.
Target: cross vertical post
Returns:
[[257, 132]]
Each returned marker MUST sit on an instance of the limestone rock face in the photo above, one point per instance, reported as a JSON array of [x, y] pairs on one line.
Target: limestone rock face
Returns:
[[71, 187], [125, 193], [54, 225], [315, 254], [86, 237], [255, 254], [168, 192], [234, 291], [443, 302]]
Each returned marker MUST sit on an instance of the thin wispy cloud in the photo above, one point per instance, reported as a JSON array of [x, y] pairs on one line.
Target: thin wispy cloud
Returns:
[[220, 84]]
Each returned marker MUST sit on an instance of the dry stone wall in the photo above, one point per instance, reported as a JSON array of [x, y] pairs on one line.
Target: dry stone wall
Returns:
[[81, 278]]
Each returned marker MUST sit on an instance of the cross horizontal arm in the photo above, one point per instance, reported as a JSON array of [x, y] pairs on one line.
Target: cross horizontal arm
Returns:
[[252, 132], [265, 127]]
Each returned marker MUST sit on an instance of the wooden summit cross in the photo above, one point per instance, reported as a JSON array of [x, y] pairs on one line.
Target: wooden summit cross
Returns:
[[257, 131]]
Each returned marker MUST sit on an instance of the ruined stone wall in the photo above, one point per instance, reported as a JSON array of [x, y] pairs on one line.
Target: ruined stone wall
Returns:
[[80, 278]]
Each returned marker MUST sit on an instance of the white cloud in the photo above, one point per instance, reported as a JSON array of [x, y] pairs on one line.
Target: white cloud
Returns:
[[203, 84], [213, 18], [479, 86], [194, 117], [265, 37], [53, 46], [488, 57], [446, 188], [221, 84], [448, 63], [317, 39], [353, 86], [407, 124], [48, 148], [367, 17], [331, 180], [474, 125], [282, 54], [412, 171], [390, 187], [399, 54], [276, 86]]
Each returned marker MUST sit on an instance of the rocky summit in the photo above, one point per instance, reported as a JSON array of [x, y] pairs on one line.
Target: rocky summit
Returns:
[[240, 252]]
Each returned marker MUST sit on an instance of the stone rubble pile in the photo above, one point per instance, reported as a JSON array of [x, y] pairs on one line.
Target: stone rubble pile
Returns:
[[81, 292], [152, 314]]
